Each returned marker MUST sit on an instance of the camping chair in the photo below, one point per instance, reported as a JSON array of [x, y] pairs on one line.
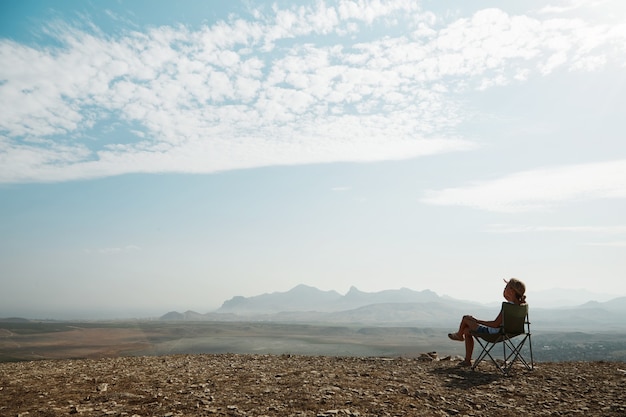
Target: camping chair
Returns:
[[514, 323]]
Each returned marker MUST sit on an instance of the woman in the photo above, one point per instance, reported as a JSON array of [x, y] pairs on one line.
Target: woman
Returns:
[[513, 293]]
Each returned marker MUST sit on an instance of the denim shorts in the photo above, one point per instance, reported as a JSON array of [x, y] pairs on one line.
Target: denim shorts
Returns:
[[486, 330]]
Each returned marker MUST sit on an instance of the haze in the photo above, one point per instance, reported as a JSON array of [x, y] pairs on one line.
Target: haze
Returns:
[[158, 157]]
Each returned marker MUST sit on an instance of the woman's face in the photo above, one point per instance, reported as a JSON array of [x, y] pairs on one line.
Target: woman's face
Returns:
[[509, 293]]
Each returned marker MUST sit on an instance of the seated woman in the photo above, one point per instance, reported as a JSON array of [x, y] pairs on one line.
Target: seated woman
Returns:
[[513, 293]]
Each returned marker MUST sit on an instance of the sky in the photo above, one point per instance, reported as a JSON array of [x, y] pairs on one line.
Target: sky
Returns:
[[159, 156]]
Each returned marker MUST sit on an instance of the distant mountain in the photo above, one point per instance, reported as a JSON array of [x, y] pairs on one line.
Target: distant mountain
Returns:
[[299, 298], [564, 297], [309, 304], [402, 307], [617, 305], [14, 320], [306, 298], [355, 298], [428, 314], [173, 315], [440, 313]]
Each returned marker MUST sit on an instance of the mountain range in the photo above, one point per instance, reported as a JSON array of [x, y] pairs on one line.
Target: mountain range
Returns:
[[306, 298], [401, 307]]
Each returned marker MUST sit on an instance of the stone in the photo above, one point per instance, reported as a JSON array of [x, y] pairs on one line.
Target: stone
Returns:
[[274, 385]]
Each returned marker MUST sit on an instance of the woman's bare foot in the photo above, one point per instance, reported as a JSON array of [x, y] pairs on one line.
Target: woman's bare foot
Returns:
[[465, 363], [456, 336]]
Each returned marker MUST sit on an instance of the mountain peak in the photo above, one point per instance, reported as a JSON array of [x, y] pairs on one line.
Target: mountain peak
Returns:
[[303, 288], [353, 291], [300, 298]]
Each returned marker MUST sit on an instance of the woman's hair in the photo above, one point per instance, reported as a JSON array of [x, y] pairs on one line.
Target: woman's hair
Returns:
[[519, 288]]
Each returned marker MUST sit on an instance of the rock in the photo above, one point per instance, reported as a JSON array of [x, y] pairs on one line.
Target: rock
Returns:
[[267, 385], [428, 357]]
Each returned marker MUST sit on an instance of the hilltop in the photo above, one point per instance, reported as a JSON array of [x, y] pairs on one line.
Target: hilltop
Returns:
[[314, 386]]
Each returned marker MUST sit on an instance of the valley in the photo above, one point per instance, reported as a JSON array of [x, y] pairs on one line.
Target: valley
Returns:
[[32, 340]]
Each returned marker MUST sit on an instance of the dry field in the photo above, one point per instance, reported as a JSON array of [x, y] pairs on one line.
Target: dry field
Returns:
[[64, 340], [58, 340]]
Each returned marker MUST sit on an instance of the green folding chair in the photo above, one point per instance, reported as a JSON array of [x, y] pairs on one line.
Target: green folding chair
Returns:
[[514, 332]]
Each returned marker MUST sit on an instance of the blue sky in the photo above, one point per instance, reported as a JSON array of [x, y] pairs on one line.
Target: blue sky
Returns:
[[158, 157]]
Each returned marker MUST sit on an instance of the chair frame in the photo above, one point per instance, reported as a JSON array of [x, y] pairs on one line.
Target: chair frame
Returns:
[[514, 323]]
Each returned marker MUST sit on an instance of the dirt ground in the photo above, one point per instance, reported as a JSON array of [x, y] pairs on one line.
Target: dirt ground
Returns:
[[287, 385]]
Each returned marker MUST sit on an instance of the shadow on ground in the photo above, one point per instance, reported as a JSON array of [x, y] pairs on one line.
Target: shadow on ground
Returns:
[[465, 377]]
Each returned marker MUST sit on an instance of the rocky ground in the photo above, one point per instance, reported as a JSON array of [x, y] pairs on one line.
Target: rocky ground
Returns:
[[285, 385]]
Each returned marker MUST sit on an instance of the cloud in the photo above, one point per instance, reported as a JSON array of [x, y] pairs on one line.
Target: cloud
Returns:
[[540, 189], [511, 228], [565, 6], [619, 244], [300, 85], [606, 232]]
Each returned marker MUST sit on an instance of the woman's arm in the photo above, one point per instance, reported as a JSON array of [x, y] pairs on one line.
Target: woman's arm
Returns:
[[494, 323]]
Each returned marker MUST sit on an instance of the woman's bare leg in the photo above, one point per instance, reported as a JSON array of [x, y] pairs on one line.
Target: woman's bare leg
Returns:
[[467, 325], [469, 347]]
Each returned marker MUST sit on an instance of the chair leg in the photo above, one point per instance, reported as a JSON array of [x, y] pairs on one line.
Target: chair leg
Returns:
[[511, 351], [530, 346], [482, 354], [516, 354], [486, 351]]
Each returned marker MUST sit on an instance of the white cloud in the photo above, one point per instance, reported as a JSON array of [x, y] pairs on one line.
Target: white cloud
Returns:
[[619, 244], [565, 6], [287, 88], [512, 228], [539, 189]]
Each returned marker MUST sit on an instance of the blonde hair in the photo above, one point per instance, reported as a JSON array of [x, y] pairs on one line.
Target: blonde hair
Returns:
[[519, 287]]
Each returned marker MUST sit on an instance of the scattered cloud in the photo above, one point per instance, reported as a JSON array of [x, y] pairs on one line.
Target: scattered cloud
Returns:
[[565, 6], [512, 228], [539, 189], [607, 232], [620, 244], [290, 86]]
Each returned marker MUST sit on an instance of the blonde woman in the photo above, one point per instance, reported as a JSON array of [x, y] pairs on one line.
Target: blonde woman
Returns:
[[513, 293]]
